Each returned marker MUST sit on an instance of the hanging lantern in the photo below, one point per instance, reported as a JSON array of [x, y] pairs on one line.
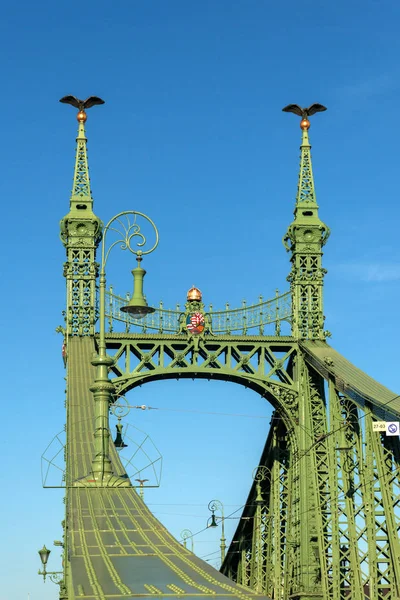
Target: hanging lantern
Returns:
[[213, 522], [137, 306], [44, 555], [119, 442]]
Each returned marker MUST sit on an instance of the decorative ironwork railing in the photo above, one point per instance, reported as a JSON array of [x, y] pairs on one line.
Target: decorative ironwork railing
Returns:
[[248, 319]]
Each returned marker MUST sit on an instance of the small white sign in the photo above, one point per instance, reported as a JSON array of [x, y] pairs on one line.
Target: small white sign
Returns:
[[379, 426], [392, 427]]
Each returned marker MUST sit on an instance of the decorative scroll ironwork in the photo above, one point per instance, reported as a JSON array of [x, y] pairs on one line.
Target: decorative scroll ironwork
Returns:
[[127, 229], [186, 535], [80, 272], [251, 320], [261, 473]]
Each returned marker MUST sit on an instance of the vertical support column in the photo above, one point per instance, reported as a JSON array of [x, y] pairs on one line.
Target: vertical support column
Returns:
[[310, 583], [306, 236], [256, 551], [292, 569], [389, 552], [268, 545], [278, 523], [335, 423], [81, 234], [345, 447]]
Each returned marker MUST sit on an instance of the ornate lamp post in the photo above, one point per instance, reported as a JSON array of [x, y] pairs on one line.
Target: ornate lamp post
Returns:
[[55, 576], [128, 229], [213, 506], [185, 535], [260, 475]]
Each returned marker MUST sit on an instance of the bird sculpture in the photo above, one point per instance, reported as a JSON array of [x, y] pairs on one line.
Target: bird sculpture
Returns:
[[304, 113], [82, 105]]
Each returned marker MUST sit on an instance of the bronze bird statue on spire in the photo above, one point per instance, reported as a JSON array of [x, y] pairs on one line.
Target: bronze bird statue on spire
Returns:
[[304, 113], [82, 104]]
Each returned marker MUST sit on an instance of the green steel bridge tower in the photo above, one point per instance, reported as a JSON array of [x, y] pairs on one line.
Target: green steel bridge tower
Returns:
[[322, 517]]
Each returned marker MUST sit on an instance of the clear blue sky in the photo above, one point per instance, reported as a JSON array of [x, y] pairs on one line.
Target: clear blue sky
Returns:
[[192, 133]]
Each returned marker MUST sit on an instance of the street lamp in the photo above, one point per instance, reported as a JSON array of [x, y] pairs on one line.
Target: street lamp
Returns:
[[261, 475], [128, 229], [213, 506], [185, 535], [55, 576]]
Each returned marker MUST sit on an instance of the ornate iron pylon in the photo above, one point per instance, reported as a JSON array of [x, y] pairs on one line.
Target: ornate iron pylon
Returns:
[[325, 522], [322, 518], [306, 236], [81, 234]]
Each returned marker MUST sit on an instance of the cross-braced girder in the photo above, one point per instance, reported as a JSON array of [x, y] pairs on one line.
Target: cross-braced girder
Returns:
[[331, 504], [326, 527], [262, 364]]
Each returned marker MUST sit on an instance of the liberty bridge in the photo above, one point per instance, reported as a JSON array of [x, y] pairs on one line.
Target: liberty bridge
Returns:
[[322, 517]]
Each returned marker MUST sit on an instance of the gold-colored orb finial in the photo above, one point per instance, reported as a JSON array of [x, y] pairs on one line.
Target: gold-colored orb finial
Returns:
[[194, 294], [305, 124], [81, 116]]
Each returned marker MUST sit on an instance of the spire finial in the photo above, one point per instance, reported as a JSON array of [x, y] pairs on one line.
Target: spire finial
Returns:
[[305, 191], [81, 186], [81, 116]]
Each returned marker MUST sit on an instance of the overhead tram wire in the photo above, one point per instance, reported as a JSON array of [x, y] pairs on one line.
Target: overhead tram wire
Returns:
[[387, 476], [343, 498], [144, 407], [225, 518], [382, 480], [181, 504], [324, 437], [241, 507], [209, 554], [201, 412]]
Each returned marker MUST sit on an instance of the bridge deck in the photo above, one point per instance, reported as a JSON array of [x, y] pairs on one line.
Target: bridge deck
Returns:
[[116, 548]]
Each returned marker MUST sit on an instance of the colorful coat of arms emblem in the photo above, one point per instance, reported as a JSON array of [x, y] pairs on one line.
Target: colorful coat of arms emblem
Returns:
[[195, 323]]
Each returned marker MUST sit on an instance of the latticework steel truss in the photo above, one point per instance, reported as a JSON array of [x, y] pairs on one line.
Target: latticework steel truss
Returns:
[[333, 533], [324, 521]]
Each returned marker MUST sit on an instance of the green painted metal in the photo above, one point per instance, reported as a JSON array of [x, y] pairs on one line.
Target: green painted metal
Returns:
[[352, 523], [101, 472], [351, 381], [81, 234], [116, 549], [249, 319], [332, 504], [261, 363], [217, 506], [305, 238], [322, 520]]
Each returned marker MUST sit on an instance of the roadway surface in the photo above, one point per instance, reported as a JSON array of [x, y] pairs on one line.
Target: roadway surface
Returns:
[[116, 548]]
